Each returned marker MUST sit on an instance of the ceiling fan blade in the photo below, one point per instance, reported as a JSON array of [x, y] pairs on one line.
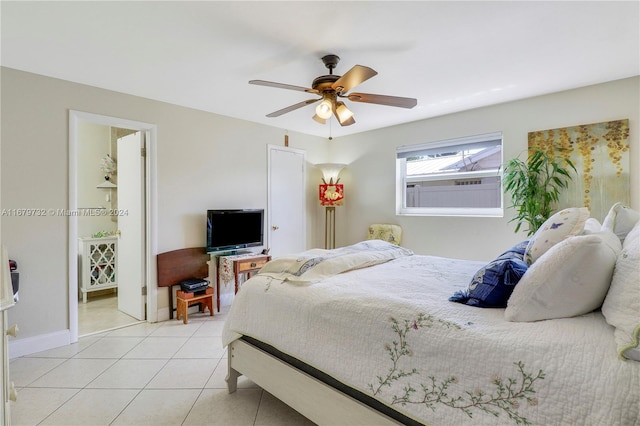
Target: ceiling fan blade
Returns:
[[292, 107], [395, 101], [352, 78], [282, 86]]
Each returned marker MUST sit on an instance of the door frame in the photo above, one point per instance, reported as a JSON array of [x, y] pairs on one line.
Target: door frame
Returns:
[[151, 209]]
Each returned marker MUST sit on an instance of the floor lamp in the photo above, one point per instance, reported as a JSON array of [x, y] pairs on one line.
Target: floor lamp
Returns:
[[329, 227], [331, 194]]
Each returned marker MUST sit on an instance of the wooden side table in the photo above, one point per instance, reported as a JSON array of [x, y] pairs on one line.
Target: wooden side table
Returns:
[[205, 300], [240, 264], [248, 266]]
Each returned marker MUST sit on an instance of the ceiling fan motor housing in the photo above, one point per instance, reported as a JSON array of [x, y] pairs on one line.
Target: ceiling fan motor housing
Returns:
[[330, 61], [324, 82]]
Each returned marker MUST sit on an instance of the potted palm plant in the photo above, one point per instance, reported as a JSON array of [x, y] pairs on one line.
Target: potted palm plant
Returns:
[[535, 185]]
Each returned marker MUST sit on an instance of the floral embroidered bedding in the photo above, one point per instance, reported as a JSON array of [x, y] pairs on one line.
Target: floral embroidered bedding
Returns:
[[390, 332]]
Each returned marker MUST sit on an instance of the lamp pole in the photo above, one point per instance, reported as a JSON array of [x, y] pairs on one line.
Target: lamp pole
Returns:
[[330, 227]]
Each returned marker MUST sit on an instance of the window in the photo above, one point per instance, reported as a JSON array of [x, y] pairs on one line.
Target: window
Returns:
[[454, 177]]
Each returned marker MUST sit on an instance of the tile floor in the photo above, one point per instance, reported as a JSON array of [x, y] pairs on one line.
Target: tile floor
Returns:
[[168, 373], [101, 313]]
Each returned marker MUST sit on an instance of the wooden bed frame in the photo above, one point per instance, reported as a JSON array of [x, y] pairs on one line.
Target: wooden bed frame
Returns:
[[314, 399]]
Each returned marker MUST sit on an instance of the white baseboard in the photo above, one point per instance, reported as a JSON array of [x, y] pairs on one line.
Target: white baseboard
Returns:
[[43, 342], [163, 314]]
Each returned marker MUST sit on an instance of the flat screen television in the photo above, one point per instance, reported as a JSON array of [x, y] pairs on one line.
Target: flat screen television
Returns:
[[234, 229]]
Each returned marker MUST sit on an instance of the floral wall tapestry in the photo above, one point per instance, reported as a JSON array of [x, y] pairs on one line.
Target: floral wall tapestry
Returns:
[[600, 153]]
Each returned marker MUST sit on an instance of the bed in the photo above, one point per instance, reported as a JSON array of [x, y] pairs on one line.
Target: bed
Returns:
[[366, 334]]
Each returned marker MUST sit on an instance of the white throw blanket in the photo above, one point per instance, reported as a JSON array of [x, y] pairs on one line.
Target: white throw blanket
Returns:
[[317, 264]]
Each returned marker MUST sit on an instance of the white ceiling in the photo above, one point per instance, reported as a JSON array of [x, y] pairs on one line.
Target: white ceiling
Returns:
[[450, 55]]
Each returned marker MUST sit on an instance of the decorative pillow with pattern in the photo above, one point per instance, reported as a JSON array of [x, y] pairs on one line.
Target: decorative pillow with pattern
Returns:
[[516, 251], [492, 285], [563, 224]]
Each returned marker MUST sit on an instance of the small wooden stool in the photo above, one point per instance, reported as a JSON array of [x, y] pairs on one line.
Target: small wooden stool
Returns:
[[204, 299]]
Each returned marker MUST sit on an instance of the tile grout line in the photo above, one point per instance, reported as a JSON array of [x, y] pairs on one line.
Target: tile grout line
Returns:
[[105, 337]]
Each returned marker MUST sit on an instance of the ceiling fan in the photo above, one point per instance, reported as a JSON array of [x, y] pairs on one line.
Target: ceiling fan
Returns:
[[333, 87]]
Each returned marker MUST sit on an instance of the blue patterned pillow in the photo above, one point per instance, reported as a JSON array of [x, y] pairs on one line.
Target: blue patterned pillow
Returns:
[[516, 251], [492, 285]]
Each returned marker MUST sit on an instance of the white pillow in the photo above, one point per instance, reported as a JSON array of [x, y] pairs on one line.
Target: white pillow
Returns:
[[591, 226], [620, 220], [621, 307], [561, 225], [571, 278]]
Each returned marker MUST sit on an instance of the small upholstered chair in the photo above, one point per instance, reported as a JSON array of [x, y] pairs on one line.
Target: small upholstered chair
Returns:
[[386, 232]]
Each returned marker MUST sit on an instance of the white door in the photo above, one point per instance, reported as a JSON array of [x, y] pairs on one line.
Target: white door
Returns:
[[131, 246], [287, 201]]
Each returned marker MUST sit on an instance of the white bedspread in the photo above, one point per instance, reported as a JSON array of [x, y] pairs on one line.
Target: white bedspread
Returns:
[[390, 332]]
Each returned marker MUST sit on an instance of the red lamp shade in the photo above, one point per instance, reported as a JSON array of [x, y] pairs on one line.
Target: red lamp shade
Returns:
[[331, 194]]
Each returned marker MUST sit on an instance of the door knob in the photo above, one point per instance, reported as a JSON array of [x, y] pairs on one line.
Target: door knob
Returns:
[[13, 395], [13, 330], [275, 228]]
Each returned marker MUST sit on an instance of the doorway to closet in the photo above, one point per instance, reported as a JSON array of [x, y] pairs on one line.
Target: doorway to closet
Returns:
[[111, 238]]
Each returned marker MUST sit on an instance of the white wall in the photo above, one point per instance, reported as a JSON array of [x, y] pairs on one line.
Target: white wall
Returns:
[[203, 161], [369, 178]]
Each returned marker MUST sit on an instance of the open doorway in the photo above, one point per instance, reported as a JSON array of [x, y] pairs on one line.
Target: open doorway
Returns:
[[95, 292]]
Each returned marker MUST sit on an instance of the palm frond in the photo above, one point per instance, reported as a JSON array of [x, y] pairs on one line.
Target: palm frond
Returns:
[[535, 187]]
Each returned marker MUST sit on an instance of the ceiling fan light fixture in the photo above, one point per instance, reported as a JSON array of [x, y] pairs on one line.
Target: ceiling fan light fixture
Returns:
[[324, 110], [342, 112], [348, 122], [319, 119]]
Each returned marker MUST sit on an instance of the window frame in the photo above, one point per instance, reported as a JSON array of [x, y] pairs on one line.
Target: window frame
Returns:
[[404, 151]]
